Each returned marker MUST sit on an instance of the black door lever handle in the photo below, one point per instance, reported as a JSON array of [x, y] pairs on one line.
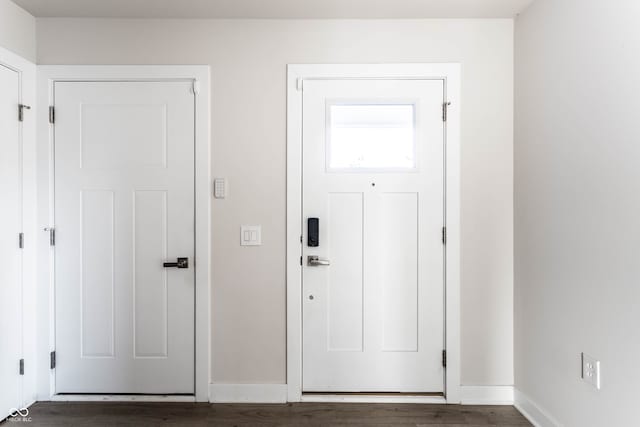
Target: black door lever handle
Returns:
[[181, 263]]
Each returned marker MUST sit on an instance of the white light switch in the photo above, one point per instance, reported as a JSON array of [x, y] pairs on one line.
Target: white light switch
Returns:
[[250, 235], [219, 188]]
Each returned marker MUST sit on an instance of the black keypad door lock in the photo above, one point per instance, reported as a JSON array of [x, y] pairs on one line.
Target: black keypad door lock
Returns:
[[313, 232], [181, 263]]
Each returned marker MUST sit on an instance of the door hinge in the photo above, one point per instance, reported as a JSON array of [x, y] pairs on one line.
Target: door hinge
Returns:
[[21, 240], [52, 114], [52, 360], [52, 235], [445, 110], [21, 366], [300, 260], [444, 358], [299, 84], [444, 235], [196, 87], [21, 108]]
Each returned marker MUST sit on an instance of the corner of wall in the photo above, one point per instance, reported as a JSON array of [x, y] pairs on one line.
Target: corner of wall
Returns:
[[536, 415]]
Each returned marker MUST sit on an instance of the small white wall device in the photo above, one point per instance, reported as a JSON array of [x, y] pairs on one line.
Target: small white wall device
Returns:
[[219, 188]]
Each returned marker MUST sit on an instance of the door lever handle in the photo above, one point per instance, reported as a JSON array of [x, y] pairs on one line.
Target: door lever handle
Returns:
[[181, 263], [315, 261]]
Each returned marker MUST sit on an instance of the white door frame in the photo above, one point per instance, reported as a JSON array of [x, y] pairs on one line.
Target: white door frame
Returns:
[[47, 76], [296, 75], [27, 80]]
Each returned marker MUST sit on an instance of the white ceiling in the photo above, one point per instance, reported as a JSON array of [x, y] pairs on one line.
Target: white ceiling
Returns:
[[367, 9]]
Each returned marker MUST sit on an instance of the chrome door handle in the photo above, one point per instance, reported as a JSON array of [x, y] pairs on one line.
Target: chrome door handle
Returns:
[[181, 263], [315, 261]]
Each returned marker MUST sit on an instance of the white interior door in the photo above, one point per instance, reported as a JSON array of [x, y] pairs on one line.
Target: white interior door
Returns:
[[124, 205], [373, 313], [10, 253]]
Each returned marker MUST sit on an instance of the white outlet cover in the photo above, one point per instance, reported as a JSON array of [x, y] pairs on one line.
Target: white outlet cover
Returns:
[[591, 370]]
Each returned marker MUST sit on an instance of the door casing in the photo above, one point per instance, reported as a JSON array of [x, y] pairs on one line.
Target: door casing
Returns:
[[296, 75], [199, 75]]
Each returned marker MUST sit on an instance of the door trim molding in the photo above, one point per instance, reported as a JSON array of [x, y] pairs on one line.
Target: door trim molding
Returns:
[[47, 75], [296, 75]]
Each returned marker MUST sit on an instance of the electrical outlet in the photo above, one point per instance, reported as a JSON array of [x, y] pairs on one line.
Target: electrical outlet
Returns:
[[591, 370]]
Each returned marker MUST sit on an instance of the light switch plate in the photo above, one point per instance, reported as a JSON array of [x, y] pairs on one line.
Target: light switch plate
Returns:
[[219, 188], [591, 370], [250, 235]]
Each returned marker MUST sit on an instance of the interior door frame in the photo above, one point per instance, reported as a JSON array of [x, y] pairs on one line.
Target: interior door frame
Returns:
[[297, 74], [199, 75], [26, 71]]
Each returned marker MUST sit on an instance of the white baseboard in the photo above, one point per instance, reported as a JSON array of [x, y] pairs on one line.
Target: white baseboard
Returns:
[[248, 393], [120, 398], [277, 393], [486, 395], [533, 412]]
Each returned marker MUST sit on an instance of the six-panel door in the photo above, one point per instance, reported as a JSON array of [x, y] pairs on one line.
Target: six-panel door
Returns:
[[124, 205], [373, 307]]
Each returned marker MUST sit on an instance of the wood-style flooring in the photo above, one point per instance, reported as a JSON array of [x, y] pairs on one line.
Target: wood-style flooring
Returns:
[[95, 414]]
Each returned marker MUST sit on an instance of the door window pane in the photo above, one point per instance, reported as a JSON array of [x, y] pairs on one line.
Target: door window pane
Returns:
[[371, 136]]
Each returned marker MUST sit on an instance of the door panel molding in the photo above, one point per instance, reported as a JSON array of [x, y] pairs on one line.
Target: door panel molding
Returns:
[[296, 77], [199, 76]]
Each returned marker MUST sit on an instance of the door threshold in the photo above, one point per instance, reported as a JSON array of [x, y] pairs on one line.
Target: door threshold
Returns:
[[328, 397], [123, 398]]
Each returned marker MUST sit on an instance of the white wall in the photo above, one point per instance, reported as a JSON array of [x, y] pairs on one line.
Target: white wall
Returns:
[[248, 60], [577, 207], [17, 30]]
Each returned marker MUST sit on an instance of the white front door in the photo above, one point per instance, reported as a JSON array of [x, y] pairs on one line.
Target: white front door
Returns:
[[373, 279], [10, 254], [124, 205]]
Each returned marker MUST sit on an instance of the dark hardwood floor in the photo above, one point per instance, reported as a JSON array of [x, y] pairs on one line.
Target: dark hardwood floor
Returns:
[[295, 414]]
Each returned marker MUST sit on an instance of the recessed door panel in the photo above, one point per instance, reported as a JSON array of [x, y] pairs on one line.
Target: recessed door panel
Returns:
[[97, 250], [399, 271], [345, 302], [120, 136], [150, 277]]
